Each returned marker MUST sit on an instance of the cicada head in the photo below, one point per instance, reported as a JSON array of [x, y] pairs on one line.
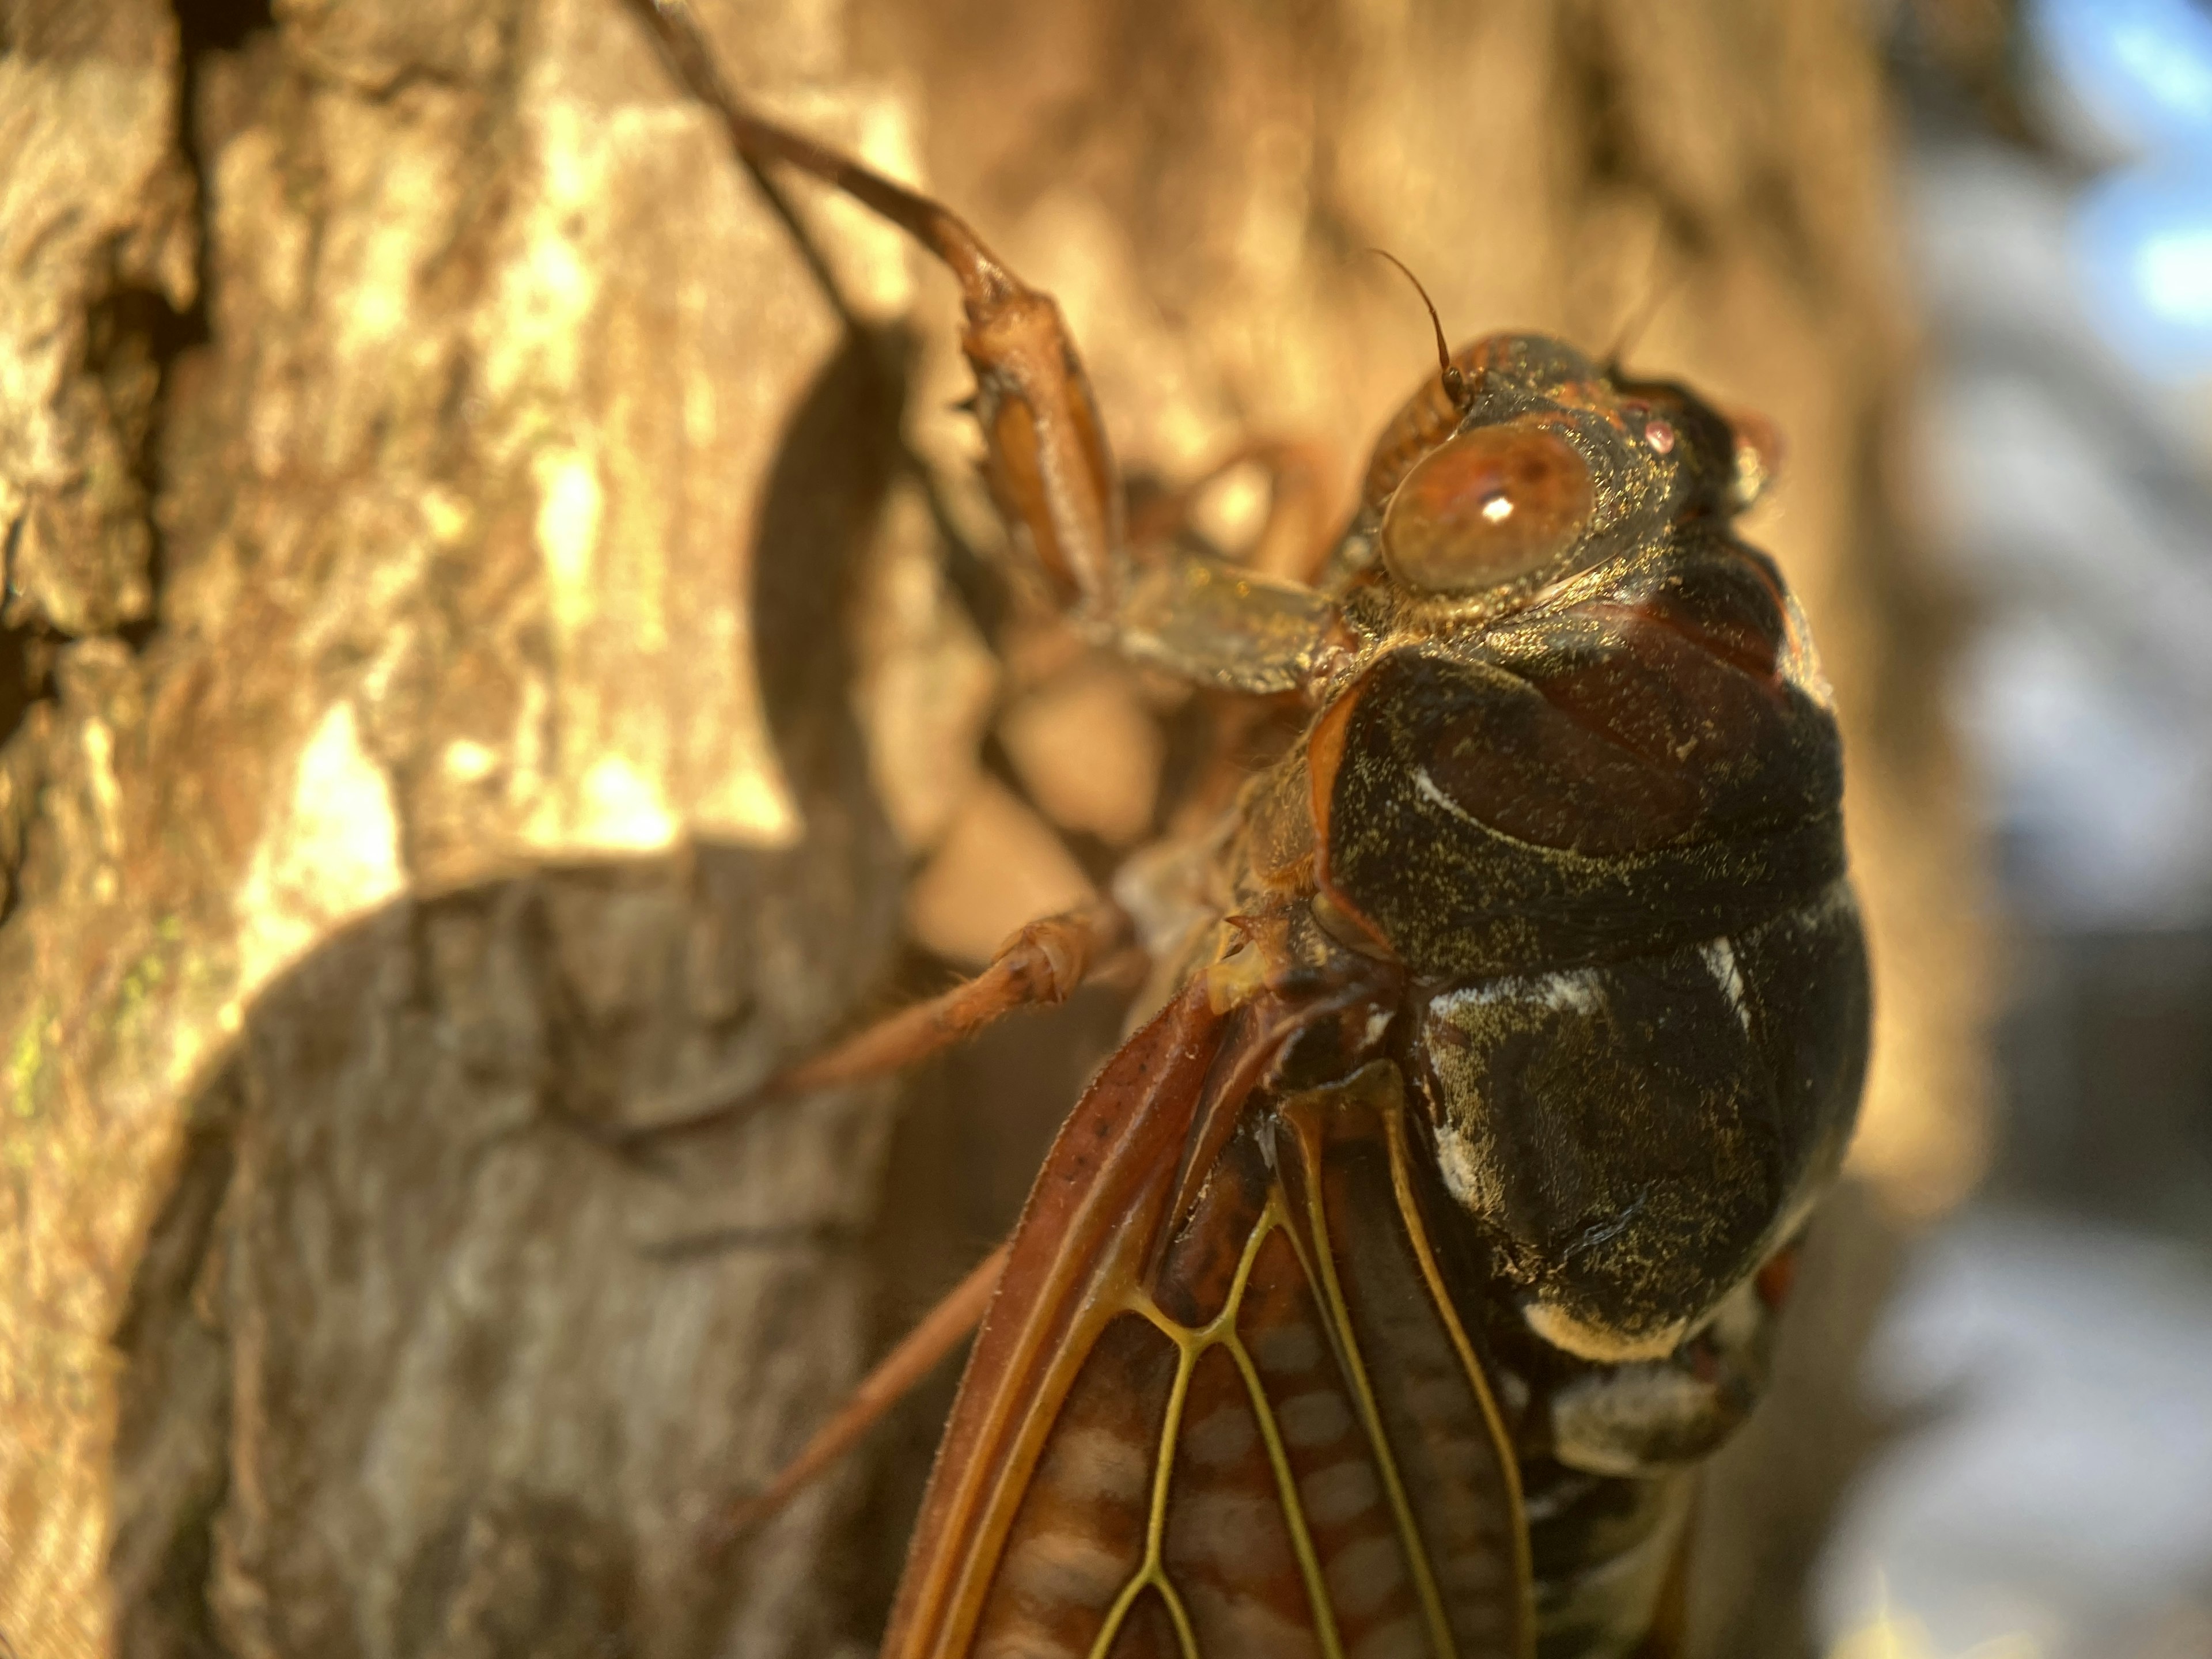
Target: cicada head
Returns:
[[1530, 463]]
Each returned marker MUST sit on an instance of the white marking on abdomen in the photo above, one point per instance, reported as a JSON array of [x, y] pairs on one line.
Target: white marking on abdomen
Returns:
[[1467, 1171], [1720, 957], [1568, 991], [1426, 786]]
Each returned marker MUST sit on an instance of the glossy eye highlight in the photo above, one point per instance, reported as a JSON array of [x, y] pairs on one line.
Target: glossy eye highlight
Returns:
[[1486, 507]]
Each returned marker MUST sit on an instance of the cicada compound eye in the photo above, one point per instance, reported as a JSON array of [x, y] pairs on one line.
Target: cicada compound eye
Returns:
[[1486, 506]]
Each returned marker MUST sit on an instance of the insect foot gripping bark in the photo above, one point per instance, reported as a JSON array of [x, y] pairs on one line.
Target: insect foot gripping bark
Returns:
[[1382, 1294]]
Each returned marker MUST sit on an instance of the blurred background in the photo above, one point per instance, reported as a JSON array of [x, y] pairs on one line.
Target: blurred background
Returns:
[[491, 647], [2046, 1349]]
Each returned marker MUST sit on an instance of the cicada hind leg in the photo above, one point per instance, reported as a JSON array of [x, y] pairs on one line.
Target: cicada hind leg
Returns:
[[1043, 963], [933, 1339]]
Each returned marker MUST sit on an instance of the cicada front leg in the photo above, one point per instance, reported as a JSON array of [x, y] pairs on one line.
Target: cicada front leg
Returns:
[[1050, 468]]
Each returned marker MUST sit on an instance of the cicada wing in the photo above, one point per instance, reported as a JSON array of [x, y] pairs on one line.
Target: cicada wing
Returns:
[[1361, 1202], [1249, 1427], [1057, 1357]]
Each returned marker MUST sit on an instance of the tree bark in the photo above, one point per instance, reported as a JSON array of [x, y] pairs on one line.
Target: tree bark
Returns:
[[487, 668]]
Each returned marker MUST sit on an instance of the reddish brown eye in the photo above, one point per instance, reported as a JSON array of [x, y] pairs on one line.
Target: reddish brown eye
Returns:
[[1489, 505]]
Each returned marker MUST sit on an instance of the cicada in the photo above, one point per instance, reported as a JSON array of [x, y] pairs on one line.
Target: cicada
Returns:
[[1383, 1291]]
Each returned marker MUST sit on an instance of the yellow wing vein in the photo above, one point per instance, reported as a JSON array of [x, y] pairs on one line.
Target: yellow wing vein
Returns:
[[1432, 1276], [1279, 1460], [1190, 1343], [1321, 1272], [1186, 1637]]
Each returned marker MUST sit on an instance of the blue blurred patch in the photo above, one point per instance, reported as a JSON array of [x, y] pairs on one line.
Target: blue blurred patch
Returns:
[[2143, 244], [2142, 236], [2142, 69]]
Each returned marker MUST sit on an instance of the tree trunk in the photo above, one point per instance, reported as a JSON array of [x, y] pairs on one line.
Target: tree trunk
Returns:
[[488, 671]]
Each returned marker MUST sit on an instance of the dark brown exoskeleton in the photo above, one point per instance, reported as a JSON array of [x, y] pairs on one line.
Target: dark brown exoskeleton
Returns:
[[1380, 1295]]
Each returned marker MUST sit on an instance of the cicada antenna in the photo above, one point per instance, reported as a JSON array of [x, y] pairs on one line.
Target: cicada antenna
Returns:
[[1659, 287], [1455, 382]]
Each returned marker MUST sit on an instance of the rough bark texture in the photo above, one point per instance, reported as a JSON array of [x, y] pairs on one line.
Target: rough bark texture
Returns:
[[438, 510]]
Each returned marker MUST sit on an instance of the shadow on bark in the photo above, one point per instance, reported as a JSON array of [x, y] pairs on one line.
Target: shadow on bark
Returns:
[[414, 1366]]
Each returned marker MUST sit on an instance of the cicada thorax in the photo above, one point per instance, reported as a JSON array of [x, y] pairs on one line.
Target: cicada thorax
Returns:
[[1593, 809]]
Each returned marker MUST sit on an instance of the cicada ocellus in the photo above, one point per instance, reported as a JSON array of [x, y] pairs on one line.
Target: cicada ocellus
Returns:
[[1383, 1291]]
